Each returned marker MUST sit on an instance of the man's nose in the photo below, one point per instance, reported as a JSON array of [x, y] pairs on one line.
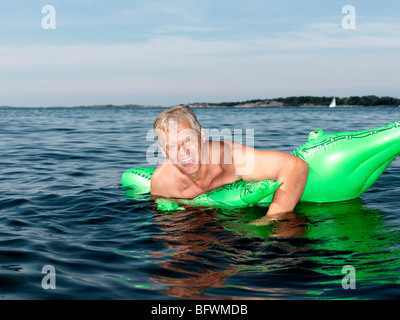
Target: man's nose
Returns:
[[182, 149]]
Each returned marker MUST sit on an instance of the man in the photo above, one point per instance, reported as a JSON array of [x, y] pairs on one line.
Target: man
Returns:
[[194, 165]]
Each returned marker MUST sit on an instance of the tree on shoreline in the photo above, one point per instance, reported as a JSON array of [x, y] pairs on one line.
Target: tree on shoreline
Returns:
[[370, 100]]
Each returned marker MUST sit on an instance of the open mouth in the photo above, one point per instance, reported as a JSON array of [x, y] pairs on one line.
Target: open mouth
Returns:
[[186, 161]]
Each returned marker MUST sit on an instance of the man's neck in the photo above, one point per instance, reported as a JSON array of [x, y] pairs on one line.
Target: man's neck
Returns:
[[205, 176]]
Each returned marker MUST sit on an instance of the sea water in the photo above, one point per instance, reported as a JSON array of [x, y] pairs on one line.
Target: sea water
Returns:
[[68, 230]]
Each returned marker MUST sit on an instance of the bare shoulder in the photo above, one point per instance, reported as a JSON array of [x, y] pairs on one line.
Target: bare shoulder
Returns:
[[223, 153], [164, 181], [255, 164], [158, 180], [239, 155]]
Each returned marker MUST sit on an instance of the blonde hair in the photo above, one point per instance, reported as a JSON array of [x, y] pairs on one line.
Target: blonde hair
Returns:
[[171, 117]]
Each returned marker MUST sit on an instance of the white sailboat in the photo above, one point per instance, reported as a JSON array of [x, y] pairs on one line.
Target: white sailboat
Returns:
[[333, 103]]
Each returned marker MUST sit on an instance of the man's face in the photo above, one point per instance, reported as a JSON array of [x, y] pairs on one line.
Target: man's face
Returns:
[[182, 146]]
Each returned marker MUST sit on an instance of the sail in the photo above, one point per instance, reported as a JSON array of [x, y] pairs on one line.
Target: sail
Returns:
[[333, 103]]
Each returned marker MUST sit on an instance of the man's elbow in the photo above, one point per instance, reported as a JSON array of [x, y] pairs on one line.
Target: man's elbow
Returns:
[[302, 169]]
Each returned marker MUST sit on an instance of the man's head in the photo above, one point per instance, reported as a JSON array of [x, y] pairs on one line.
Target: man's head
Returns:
[[170, 117], [180, 137]]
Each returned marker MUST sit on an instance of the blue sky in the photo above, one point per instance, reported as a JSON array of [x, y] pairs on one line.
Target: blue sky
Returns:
[[169, 52]]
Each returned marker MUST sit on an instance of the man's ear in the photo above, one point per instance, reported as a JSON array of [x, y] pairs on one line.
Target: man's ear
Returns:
[[203, 135], [162, 150], [157, 134]]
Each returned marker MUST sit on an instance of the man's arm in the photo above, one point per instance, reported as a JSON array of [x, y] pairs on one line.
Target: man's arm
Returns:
[[256, 165]]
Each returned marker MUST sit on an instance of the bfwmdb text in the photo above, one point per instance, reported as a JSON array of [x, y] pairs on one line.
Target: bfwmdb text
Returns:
[[200, 309]]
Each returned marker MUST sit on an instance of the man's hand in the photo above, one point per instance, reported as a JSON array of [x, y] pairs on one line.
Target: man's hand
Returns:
[[286, 225]]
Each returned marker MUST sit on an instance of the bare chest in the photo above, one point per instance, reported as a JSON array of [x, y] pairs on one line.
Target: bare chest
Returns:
[[190, 190]]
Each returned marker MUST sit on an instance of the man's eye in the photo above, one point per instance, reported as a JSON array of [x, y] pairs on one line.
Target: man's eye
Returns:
[[188, 140], [172, 147]]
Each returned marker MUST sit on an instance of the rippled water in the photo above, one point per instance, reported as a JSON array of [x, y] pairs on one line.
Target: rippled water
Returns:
[[61, 204]]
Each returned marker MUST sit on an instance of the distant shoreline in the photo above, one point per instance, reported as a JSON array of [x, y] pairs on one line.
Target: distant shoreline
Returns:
[[203, 105], [308, 101], [197, 105], [295, 101]]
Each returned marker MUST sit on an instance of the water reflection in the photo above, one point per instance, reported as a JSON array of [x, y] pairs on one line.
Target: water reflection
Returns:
[[217, 253], [194, 266]]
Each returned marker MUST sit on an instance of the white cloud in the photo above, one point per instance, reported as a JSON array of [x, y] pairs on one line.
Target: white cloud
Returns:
[[315, 36], [314, 58]]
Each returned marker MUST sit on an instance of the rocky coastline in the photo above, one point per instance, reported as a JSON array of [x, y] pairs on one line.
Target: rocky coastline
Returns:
[[294, 101]]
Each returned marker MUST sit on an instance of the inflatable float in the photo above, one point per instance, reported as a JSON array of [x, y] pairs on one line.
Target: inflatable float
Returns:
[[342, 167]]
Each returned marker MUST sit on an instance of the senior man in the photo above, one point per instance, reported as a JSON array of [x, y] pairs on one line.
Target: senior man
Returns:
[[195, 165]]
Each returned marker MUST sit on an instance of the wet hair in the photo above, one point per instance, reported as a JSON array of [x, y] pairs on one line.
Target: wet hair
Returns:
[[169, 118]]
